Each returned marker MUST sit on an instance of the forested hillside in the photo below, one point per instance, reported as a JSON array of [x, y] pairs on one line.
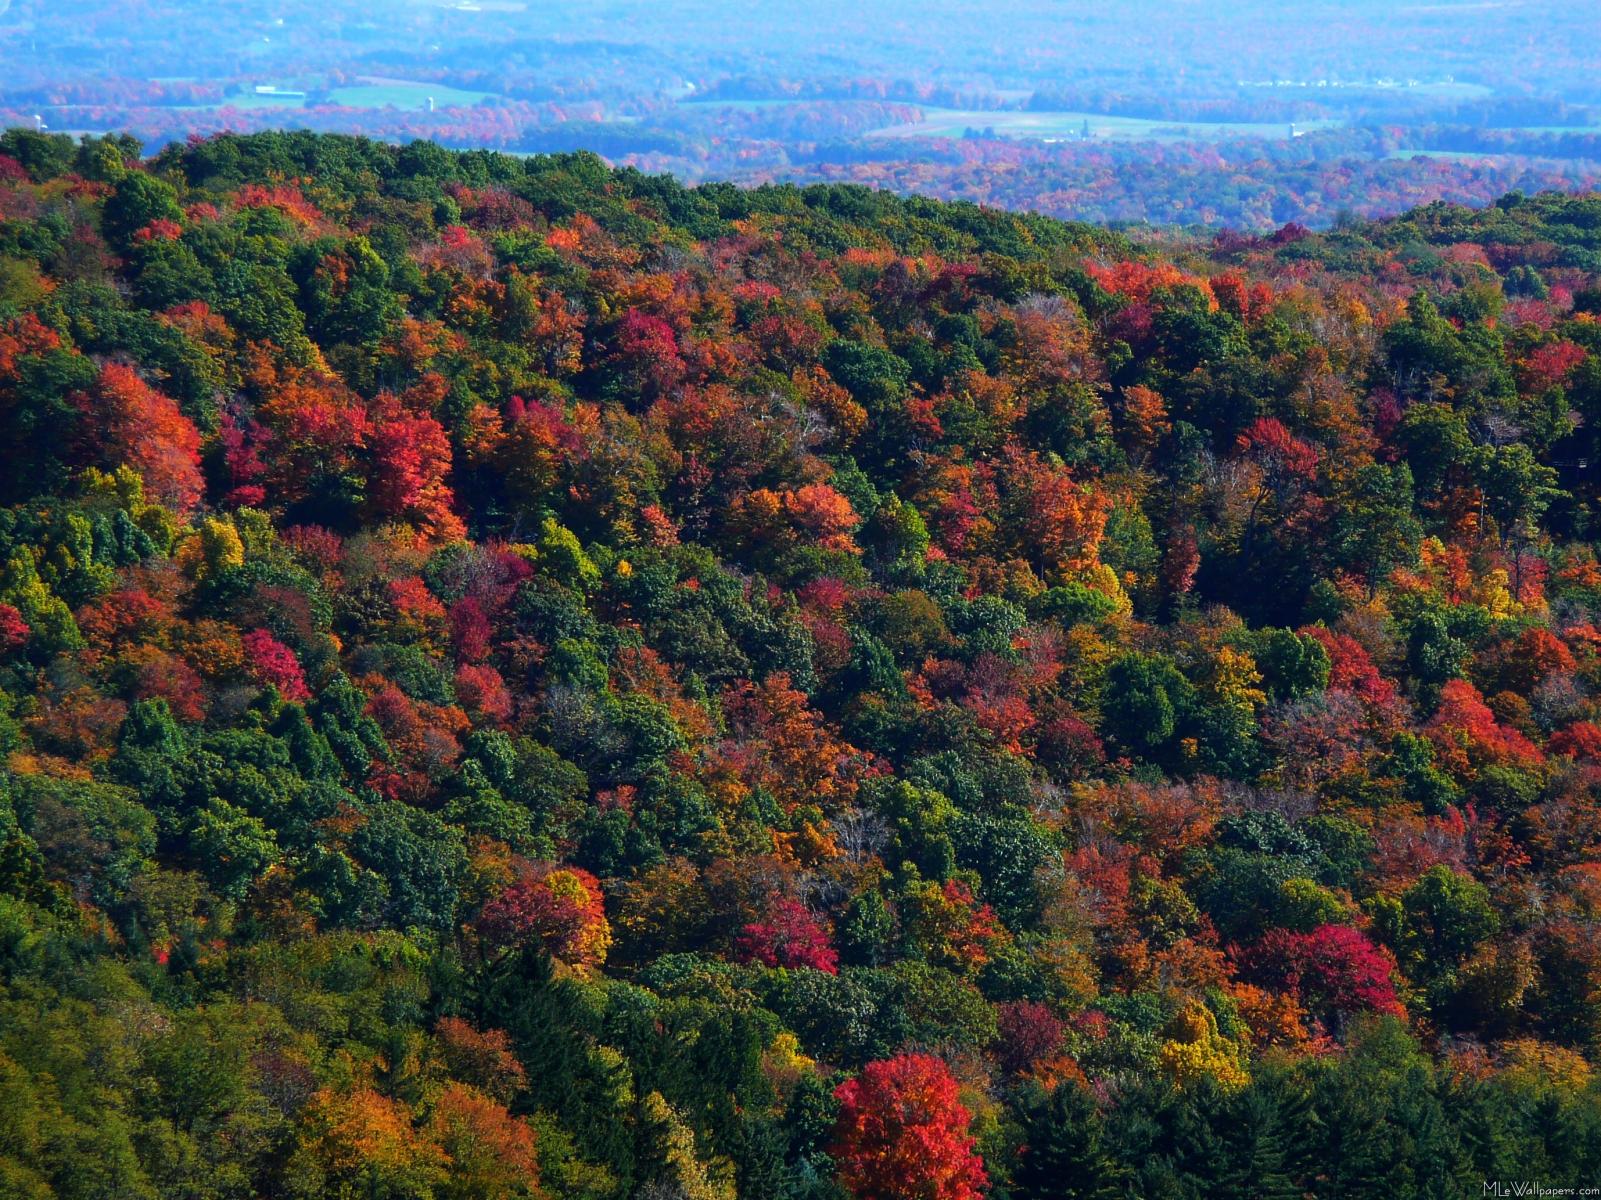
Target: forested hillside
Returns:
[[1247, 114], [525, 680]]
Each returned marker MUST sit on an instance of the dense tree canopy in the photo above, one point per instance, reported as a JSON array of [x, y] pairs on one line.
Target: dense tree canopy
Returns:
[[520, 679]]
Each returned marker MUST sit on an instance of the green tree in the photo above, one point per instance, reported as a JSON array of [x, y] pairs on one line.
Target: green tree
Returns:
[[137, 200], [1065, 1155], [1143, 701]]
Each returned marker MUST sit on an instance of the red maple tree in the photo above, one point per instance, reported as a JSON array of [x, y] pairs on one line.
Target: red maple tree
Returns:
[[789, 937], [902, 1134]]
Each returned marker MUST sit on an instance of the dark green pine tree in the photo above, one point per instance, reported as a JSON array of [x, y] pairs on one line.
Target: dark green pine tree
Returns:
[[1261, 1164], [1440, 1167], [589, 1088], [1359, 1154], [1496, 1130], [1569, 1128], [1064, 1154], [1196, 1138]]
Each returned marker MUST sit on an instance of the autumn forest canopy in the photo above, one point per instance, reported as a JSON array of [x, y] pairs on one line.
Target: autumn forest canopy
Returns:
[[520, 678]]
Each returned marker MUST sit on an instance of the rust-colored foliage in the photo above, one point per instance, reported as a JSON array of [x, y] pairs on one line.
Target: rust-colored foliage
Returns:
[[136, 425], [561, 909]]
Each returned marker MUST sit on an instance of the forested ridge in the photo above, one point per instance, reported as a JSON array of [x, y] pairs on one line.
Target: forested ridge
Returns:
[[1153, 111], [524, 679]]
